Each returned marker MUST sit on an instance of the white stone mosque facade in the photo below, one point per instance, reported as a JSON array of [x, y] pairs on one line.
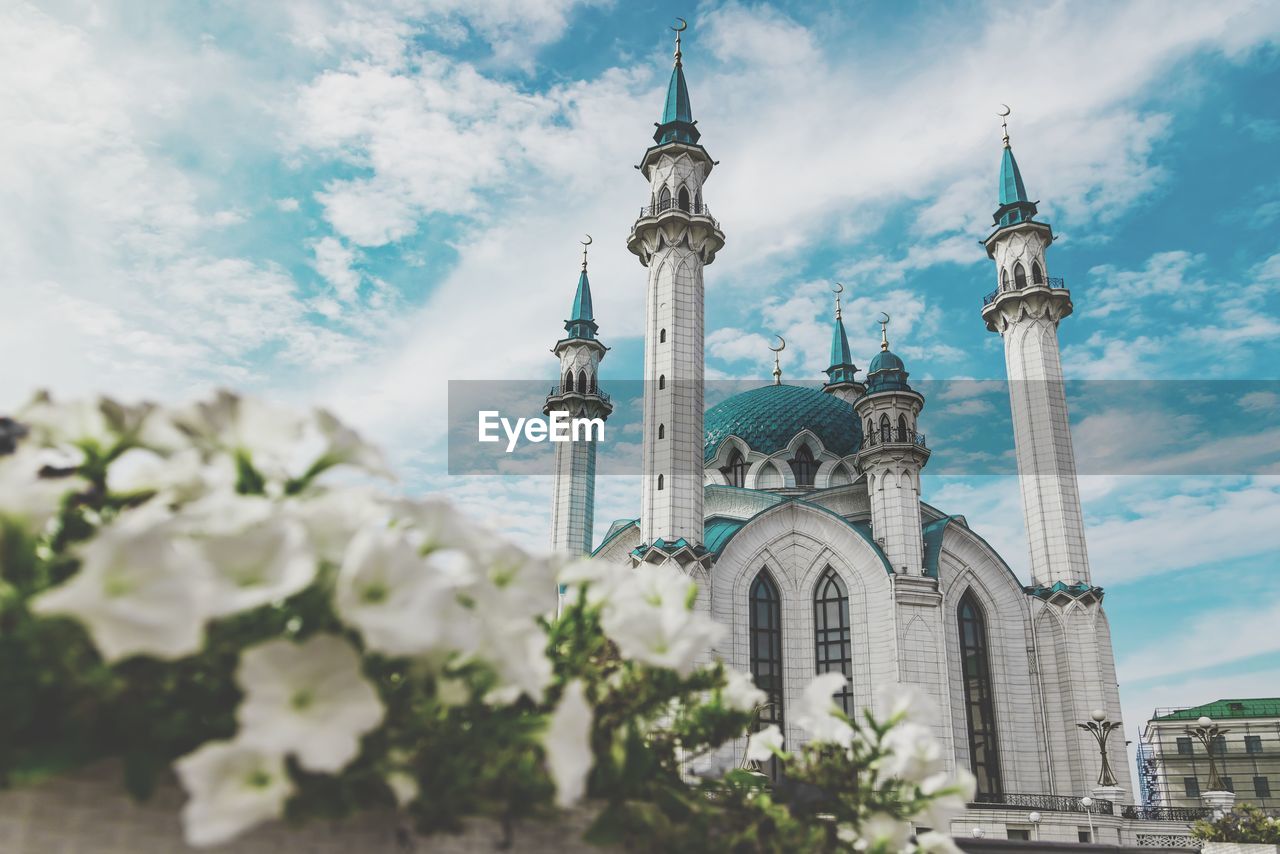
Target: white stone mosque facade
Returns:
[[798, 512]]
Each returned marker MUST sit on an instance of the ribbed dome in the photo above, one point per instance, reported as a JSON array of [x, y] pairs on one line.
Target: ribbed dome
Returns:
[[769, 417], [885, 360]]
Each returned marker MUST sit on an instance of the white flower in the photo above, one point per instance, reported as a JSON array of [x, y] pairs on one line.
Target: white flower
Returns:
[[77, 422], [816, 711], [913, 753], [436, 524], [180, 477], [343, 446], [948, 796], [403, 786], [271, 437], [333, 515], [933, 842], [903, 702], [233, 787], [401, 602], [740, 692], [141, 589], [763, 744], [257, 553], [307, 699], [651, 618], [567, 742], [27, 496], [517, 651], [884, 832]]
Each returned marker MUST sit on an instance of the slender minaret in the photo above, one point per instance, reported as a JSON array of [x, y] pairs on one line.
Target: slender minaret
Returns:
[[841, 375], [579, 394], [674, 237], [892, 454], [1025, 309]]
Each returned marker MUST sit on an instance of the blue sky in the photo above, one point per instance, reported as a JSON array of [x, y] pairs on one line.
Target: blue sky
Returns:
[[352, 202]]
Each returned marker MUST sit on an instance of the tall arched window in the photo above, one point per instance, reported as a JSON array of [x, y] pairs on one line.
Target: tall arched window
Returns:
[[886, 430], [903, 433], [582, 382], [736, 470], [697, 201], [870, 432], [766, 649], [803, 466], [568, 381], [1004, 280], [831, 633], [984, 749], [1019, 276], [683, 199], [662, 336], [659, 483], [662, 381], [664, 199], [1037, 275], [662, 431]]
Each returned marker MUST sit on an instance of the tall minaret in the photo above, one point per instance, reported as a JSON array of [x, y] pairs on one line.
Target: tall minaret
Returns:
[[579, 394], [675, 237], [892, 454], [841, 375], [1025, 309]]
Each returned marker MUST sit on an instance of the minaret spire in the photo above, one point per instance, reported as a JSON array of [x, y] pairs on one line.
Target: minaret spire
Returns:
[[777, 365], [581, 323], [842, 371], [677, 123]]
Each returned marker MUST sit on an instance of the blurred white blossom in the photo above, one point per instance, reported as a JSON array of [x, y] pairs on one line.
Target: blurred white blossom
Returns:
[[884, 832], [933, 842], [181, 477], [913, 753], [307, 699], [232, 787], [142, 588], [568, 745], [24, 494], [816, 711], [762, 744], [949, 796], [740, 692], [650, 616]]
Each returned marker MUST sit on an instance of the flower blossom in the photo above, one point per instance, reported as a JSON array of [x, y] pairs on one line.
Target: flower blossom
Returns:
[[232, 787], [306, 699], [764, 743], [567, 742], [650, 616], [740, 692], [816, 711]]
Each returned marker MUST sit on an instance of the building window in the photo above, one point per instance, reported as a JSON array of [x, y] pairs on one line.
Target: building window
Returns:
[[1262, 787], [662, 431], [1037, 277], [664, 199], [1017, 833], [886, 431], [984, 750], [659, 483], [1218, 747], [831, 633], [582, 381], [903, 432], [1191, 786], [1228, 785], [1019, 276], [736, 471], [662, 381], [568, 381], [1084, 835], [1004, 280], [683, 199], [766, 650], [1184, 746], [662, 336], [803, 466], [1253, 744]]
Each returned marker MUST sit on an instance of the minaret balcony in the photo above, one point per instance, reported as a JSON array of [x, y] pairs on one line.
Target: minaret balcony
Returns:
[[1051, 283], [1004, 305], [668, 223], [672, 206], [594, 399], [894, 436]]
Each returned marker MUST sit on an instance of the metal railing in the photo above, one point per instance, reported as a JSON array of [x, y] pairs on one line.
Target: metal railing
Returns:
[[557, 390], [672, 205], [1051, 282], [1052, 803], [1183, 814], [893, 436]]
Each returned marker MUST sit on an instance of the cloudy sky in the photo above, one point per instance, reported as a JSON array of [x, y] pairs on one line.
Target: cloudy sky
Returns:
[[353, 201]]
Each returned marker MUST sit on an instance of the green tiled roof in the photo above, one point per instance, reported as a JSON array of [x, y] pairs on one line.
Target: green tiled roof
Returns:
[[718, 530], [582, 323], [769, 417], [1014, 204], [886, 373], [1261, 707]]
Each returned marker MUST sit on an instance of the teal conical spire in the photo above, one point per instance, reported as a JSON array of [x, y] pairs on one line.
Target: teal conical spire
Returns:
[[842, 368], [1014, 204], [677, 123], [581, 324]]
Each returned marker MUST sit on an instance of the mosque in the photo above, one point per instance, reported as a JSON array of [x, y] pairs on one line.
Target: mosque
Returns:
[[798, 512]]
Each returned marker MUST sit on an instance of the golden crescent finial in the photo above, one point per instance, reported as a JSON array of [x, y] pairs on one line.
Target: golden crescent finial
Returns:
[[781, 346], [1007, 111], [684, 25], [886, 320], [1004, 123], [586, 242], [884, 333], [839, 288]]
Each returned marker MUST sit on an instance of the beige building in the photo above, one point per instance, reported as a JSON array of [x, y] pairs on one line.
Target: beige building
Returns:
[[1173, 765]]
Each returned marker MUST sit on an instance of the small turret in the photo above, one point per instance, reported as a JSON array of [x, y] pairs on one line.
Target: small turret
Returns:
[[841, 374]]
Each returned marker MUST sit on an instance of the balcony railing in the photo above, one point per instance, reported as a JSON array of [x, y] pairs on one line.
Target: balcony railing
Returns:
[[672, 205], [1052, 803], [1183, 814], [557, 390], [1051, 282], [893, 436]]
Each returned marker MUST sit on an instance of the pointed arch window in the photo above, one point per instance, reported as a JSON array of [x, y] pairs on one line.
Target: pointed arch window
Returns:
[[662, 431], [903, 432], [766, 650], [568, 381], [1037, 275], [662, 336], [582, 381], [735, 472], [803, 466], [831, 634], [886, 429], [664, 199], [1004, 280], [662, 381], [683, 199], [697, 201], [660, 483], [984, 749], [1019, 276]]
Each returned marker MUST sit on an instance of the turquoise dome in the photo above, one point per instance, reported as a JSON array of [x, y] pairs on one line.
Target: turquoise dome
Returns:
[[769, 417], [886, 373]]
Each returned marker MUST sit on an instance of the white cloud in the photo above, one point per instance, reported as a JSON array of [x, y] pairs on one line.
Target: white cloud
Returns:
[[1259, 401], [333, 261], [1206, 640]]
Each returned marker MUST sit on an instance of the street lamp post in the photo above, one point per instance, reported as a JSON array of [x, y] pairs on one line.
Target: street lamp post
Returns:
[[1101, 728], [1034, 818], [1087, 803], [1206, 731]]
